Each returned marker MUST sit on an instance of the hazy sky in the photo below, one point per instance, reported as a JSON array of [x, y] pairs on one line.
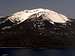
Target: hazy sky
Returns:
[[66, 7]]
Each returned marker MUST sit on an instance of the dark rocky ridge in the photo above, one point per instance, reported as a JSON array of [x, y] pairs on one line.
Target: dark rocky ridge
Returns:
[[38, 33]]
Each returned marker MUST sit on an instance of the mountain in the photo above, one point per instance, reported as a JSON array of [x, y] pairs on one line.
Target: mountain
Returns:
[[37, 28]]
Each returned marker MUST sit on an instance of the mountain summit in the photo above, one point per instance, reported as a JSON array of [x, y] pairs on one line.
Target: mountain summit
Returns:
[[37, 28], [50, 15]]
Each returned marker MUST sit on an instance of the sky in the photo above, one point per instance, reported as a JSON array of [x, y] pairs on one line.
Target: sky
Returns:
[[66, 7]]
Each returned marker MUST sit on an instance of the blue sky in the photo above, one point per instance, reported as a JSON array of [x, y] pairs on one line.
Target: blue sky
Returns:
[[66, 7]]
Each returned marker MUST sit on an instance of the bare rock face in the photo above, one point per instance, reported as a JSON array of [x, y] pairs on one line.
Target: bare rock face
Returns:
[[38, 33]]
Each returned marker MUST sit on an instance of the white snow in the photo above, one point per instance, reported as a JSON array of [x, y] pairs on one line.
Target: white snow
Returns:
[[24, 15], [56, 17]]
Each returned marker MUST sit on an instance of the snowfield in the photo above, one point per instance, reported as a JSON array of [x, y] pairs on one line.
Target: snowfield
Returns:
[[52, 16]]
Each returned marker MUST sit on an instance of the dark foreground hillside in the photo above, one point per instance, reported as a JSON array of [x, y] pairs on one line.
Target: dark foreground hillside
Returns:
[[38, 33]]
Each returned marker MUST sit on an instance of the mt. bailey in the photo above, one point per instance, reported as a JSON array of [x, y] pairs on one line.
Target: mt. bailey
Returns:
[[37, 28]]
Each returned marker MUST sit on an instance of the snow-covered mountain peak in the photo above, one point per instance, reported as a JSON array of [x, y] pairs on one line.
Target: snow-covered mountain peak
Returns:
[[52, 16]]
